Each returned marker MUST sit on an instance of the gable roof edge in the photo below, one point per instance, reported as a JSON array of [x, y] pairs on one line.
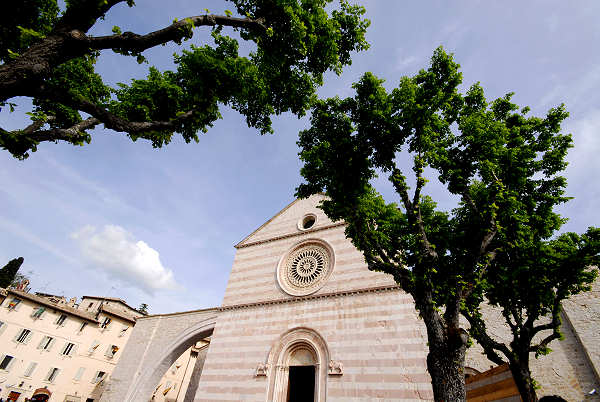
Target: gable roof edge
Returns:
[[266, 223]]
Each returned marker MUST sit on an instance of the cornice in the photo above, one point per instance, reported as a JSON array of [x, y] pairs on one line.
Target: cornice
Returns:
[[345, 293], [299, 299], [288, 235]]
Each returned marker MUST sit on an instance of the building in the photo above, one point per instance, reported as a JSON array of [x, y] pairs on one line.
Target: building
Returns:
[[55, 346], [303, 319], [173, 386]]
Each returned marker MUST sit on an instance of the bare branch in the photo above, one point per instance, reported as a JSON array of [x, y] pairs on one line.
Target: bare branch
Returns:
[[70, 134], [489, 345], [82, 15], [36, 125], [65, 134]]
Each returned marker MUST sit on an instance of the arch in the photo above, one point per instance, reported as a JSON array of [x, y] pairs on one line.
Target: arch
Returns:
[[299, 340], [152, 369]]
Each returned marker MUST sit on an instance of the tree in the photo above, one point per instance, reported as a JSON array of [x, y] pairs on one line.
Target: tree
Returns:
[[48, 55], [528, 282], [9, 272], [143, 308], [500, 164]]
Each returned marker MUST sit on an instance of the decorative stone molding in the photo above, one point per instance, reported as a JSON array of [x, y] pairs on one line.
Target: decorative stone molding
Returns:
[[335, 368], [288, 235], [305, 268], [282, 355], [262, 369], [345, 293]]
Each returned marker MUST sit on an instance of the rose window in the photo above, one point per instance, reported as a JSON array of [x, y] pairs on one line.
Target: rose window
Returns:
[[305, 269]]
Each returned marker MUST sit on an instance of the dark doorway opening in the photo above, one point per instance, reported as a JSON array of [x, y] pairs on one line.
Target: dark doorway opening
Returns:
[[301, 385]]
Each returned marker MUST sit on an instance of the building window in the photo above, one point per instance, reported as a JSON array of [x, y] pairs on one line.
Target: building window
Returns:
[[79, 373], [23, 336], [61, 320], [6, 362], [46, 343], [91, 305], [2, 327], [52, 374], [111, 351], [99, 376], [123, 330], [69, 349], [83, 325], [94, 346], [30, 369], [105, 323], [14, 304], [38, 312]]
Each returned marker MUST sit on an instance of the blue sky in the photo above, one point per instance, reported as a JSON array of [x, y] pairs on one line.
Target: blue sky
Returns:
[[158, 226]]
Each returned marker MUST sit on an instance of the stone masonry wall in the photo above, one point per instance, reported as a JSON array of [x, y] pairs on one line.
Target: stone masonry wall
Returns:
[[566, 371], [376, 336], [146, 348]]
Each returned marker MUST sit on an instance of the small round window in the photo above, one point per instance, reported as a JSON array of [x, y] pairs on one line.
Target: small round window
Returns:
[[307, 222]]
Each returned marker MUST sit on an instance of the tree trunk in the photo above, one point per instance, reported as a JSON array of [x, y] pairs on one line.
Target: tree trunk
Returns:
[[522, 376], [445, 364]]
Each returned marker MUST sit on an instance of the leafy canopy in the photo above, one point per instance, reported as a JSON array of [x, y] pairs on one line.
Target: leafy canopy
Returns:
[[501, 163], [47, 55]]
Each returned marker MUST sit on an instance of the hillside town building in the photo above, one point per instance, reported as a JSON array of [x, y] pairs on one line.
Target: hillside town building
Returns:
[[303, 319], [54, 347]]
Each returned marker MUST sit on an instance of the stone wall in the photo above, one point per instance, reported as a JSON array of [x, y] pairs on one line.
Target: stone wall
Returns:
[[570, 370], [154, 345], [375, 335]]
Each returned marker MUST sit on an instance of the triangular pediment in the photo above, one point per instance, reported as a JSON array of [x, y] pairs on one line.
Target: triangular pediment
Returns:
[[289, 220]]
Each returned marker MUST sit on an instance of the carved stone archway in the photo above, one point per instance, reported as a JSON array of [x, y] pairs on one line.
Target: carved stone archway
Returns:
[[154, 345], [285, 349]]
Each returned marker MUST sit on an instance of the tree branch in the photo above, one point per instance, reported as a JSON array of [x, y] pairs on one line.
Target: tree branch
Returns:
[[489, 345], [555, 323], [413, 211], [65, 134], [68, 41], [130, 41], [401, 275]]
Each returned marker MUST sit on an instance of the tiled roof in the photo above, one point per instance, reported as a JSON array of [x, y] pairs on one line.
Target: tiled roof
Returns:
[[110, 299], [61, 307], [119, 313]]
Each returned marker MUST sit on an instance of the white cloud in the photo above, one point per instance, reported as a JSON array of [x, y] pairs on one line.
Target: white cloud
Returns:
[[118, 253]]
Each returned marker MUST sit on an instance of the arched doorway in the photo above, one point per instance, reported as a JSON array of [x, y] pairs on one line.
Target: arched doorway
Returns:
[[298, 362], [302, 374]]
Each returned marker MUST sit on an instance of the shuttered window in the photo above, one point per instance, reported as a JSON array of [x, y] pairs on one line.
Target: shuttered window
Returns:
[[79, 373], [38, 312], [52, 374], [60, 321], [24, 336], [46, 343], [69, 349], [30, 369], [6, 362]]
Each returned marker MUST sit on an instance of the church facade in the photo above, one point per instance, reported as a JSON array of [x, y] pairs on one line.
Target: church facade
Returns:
[[302, 319]]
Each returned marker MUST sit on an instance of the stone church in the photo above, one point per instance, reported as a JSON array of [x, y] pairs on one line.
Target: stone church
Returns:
[[303, 319]]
